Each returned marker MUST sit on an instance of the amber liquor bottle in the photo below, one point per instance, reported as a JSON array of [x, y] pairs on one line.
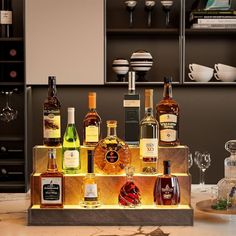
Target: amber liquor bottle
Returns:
[[51, 183], [52, 116], [168, 117], [92, 123], [166, 189]]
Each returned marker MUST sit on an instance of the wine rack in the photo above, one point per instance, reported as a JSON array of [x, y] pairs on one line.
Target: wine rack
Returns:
[[110, 213]]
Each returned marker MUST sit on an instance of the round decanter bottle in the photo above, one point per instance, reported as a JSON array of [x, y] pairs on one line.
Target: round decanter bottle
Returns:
[[227, 185]]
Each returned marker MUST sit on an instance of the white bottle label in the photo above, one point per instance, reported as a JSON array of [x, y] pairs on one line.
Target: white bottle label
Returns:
[[90, 192], [131, 103], [168, 135], [71, 159], [168, 118], [52, 124], [168, 127], [148, 148], [91, 134], [6, 17], [51, 190]]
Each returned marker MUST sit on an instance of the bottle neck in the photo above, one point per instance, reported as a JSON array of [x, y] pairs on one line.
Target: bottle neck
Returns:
[[166, 170], [167, 91], [131, 91], [52, 91], [129, 178], [71, 117], [148, 111], [52, 165], [111, 131]]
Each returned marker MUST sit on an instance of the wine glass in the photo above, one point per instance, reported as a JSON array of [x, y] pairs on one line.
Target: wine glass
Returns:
[[203, 161], [7, 113], [167, 4], [130, 6], [149, 5], [190, 160]]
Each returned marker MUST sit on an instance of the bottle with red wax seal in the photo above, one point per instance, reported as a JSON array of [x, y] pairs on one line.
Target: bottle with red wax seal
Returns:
[[129, 193]]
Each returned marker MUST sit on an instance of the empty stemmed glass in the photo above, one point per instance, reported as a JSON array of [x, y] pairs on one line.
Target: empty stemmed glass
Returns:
[[149, 5], [190, 160], [167, 4], [7, 113], [130, 6], [203, 161]]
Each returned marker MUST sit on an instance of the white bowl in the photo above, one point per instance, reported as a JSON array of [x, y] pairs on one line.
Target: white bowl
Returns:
[[200, 68], [222, 67], [202, 76], [225, 76]]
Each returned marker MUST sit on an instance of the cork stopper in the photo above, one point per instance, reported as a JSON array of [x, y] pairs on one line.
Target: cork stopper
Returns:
[[92, 100], [148, 98], [112, 123]]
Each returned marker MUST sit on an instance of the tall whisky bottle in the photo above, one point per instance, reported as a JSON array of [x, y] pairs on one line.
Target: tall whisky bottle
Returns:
[[166, 189], [6, 19], [90, 191], [52, 116], [71, 146], [51, 183], [131, 105], [112, 155], [168, 117], [92, 123], [149, 137]]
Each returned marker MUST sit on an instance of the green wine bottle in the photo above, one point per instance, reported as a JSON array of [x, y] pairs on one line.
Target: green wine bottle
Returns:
[[71, 146]]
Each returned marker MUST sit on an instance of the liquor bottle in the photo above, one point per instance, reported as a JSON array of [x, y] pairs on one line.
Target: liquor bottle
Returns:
[[129, 193], [167, 190], [6, 19], [52, 116], [168, 117], [71, 146], [112, 155], [131, 105], [149, 137], [92, 123], [51, 183], [90, 189]]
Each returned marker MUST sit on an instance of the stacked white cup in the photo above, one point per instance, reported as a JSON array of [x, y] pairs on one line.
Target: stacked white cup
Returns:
[[225, 73], [200, 73]]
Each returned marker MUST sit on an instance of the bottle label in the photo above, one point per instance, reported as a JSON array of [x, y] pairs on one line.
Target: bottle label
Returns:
[[90, 192], [112, 156], [52, 124], [168, 127], [6, 17], [71, 159], [91, 134], [149, 149], [167, 192], [131, 103], [51, 190]]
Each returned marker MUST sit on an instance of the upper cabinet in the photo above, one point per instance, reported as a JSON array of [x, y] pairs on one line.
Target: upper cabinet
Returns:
[[64, 38]]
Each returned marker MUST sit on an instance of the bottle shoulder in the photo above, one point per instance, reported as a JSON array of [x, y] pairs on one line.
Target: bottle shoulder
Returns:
[[149, 120], [52, 102], [92, 115], [51, 174]]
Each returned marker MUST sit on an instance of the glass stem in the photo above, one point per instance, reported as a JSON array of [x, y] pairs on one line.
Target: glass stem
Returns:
[[149, 18], [202, 178], [7, 99], [131, 19], [167, 18]]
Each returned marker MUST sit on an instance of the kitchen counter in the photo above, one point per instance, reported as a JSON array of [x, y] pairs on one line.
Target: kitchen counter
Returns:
[[13, 222]]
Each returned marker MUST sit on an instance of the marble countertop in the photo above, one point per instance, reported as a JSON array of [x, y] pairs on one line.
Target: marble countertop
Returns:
[[13, 222]]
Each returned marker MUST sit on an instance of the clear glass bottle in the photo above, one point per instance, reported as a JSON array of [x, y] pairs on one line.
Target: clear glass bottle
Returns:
[[112, 155], [52, 116], [227, 185], [166, 189], [168, 117], [129, 193], [149, 137], [92, 123], [71, 146], [90, 190], [51, 183]]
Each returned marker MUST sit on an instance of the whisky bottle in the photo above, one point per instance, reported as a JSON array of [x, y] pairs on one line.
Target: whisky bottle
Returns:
[[129, 193], [166, 189], [52, 116], [149, 137], [51, 183], [131, 105], [92, 123], [71, 146], [90, 191], [168, 117], [112, 155]]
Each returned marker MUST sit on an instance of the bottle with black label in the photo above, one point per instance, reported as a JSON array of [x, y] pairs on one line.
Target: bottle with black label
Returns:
[[51, 184], [168, 117], [52, 116], [131, 105], [90, 191], [166, 189], [6, 19]]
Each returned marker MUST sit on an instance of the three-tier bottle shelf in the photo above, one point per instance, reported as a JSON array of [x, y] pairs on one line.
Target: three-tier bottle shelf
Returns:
[[110, 213]]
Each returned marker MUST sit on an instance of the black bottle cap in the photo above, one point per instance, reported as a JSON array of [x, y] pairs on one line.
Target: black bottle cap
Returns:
[[90, 162], [166, 163], [168, 79]]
